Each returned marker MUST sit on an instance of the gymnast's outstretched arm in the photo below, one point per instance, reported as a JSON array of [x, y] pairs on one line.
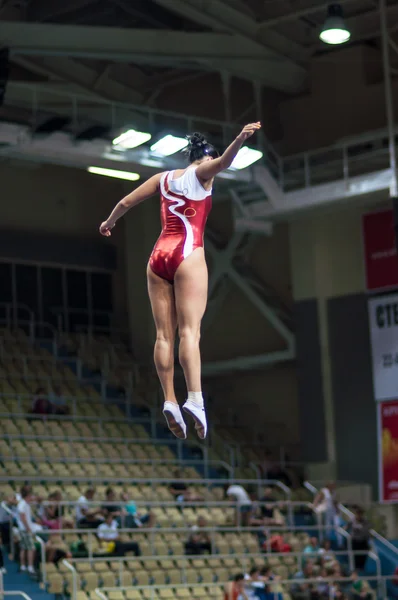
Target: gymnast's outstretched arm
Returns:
[[209, 169], [144, 191]]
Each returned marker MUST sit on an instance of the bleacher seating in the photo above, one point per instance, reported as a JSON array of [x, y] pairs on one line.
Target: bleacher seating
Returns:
[[97, 445]]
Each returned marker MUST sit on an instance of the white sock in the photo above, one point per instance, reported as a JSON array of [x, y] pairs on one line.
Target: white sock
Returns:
[[196, 397], [31, 570], [23, 568]]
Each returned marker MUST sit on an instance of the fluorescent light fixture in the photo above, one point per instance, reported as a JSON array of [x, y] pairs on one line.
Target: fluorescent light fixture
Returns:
[[131, 139], [246, 157], [169, 145], [335, 30], [114, 173]]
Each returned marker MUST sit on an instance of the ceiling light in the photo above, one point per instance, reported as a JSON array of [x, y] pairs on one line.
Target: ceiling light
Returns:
[[131, 139], [113, 173], [335, 30], [246, 157], [169, 145]]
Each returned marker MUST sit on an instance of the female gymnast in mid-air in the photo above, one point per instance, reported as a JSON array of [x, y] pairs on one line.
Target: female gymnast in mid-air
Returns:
[[177, 271]]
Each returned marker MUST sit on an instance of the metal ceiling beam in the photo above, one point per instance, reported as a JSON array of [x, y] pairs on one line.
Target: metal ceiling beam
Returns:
[[48, 9], [208, 51], [84, 78], [220, 16], [297, 14]]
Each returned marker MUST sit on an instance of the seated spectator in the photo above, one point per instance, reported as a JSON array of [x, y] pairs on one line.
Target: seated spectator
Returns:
[[108, 535], [268, 576], [50, 515], [180, 490], [327, 555], [304, 590], [312, 550], [199, 541], [360, 536], [241, 499], [255, 585], [56, 549], [88, 516], [323, 588], [110, 506], [360, 589], [132, 518], [277, 544], [58, 401], [41, 404], [235, 590], [271, 517], [269, 499]]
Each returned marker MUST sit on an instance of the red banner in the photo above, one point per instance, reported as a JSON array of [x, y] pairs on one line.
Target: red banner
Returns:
[[388, 451], [381, 261]]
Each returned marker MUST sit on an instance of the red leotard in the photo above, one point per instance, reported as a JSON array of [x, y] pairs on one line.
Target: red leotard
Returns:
[[184, 208]]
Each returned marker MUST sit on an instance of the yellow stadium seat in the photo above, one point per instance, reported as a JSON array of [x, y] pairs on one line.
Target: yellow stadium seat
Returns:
[[166, 593], [108, 579], [133, 595], [141, 577], [183, 593], [159, 577], [55, 584], [116, 595], [91, 582], [199, 592]]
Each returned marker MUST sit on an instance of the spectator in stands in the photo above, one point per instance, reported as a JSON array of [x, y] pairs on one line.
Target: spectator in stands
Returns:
[[56, 549], [41, 404], [235, 590], [59, 405], [304, 590], [360, 536], [266, 514], [5, 529], [25, 528], [110, 506], [86, 515], [180, 490], [312, 550], [322, 588], [50, 515], [327, 555], [199, 541], [360, 589], [132, 518], [255, 585], [242, 501], [276, 543], [108, 534], [325, 504], [268, 501]]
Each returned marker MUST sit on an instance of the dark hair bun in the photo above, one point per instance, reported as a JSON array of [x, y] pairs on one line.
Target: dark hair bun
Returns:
[[198, 147], [196, 140]]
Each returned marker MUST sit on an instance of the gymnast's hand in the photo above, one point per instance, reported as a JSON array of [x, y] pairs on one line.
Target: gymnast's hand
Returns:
[[105, 228], [248, 130]]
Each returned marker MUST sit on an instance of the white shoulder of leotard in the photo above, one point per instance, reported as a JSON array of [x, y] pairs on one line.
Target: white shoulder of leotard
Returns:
[[192, 187]]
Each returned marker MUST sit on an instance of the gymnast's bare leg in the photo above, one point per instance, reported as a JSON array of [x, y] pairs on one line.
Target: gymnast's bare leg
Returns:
[[190, 289], [161, 294]]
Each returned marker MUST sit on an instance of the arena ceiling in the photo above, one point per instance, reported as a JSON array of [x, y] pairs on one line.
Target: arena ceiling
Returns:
[[129, 50]]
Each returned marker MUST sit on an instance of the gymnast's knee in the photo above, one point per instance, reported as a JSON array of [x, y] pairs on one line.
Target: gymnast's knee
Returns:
[[189, 334]]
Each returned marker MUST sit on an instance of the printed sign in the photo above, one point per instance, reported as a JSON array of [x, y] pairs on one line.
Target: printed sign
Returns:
[[388, 450], [381, 261], [383, 323]]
